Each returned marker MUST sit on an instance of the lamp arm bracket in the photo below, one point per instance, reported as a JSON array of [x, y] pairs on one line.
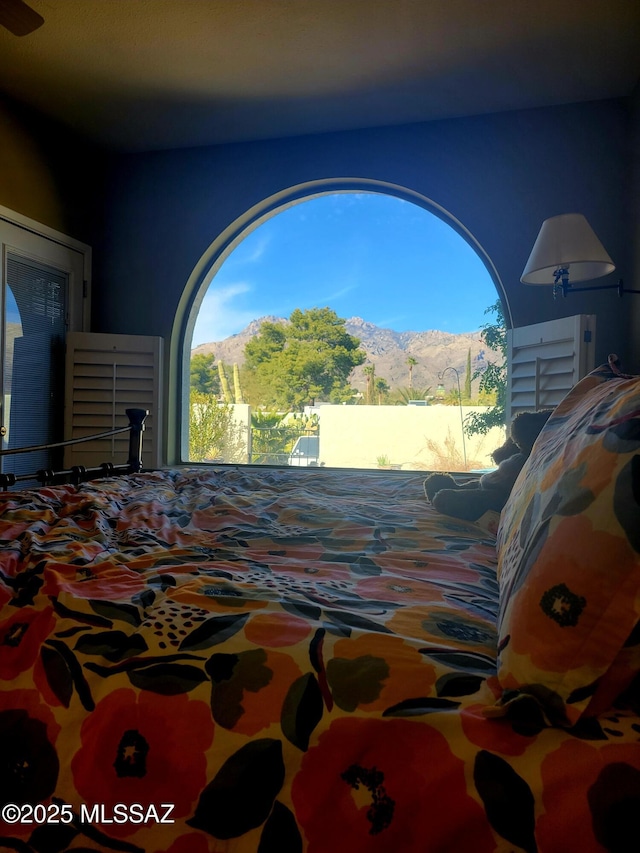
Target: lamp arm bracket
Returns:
[[619, 287]]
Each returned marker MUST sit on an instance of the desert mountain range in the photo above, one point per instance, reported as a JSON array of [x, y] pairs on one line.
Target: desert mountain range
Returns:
[[387, 350]]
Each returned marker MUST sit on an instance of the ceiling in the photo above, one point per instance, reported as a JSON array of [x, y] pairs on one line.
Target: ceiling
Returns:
[[152, 74]]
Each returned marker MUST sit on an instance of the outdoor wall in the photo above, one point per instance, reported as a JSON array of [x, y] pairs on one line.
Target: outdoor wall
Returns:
[[427, 438], [413, 437], [241, 421]]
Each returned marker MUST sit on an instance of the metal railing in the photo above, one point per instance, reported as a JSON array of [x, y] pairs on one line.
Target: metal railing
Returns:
[[284, 445]]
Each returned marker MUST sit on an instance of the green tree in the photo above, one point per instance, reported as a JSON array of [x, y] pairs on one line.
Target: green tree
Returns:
[[401, 396], [382, 389], [370, 374], [411, 361], [493, 379], [271, 438], [203, 374], [212, 431], [310, 357], [253, 392]]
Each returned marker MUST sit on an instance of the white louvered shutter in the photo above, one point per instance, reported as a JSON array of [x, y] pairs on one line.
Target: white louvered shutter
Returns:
[[544, 361], [105, 375]]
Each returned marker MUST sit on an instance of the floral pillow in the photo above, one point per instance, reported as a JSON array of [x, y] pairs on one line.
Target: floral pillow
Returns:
[[569, 555]]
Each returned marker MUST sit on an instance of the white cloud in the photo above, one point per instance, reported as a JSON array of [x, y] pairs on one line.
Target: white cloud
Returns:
[[250, 250], [338, 294], [388, 322], [218, 318]]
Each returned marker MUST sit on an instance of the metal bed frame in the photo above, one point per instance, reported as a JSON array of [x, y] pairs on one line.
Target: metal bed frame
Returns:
[[79, 473]]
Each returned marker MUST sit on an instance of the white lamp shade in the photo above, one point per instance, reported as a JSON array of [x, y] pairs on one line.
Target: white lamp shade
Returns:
[[566, 242]]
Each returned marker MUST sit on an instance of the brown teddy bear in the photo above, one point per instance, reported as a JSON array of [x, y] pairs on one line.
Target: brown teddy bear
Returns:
[[471, 500]]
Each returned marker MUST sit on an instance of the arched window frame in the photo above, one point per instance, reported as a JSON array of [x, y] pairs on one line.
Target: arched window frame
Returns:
[[222, 246]]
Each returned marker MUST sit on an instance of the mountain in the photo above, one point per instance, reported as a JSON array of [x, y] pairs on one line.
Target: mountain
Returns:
[[388, 350], [231, 349]]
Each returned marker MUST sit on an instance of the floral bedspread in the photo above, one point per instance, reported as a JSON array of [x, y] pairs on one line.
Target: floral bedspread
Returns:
[[206, 660]]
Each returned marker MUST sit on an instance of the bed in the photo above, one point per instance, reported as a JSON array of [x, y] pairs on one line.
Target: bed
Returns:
[[207, 659]]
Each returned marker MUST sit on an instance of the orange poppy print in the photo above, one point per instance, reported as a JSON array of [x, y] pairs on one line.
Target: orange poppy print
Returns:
[[371, 777], [376, 671], [20, 638], [609, 792], [276, 629], [132, 752], [564, 614]]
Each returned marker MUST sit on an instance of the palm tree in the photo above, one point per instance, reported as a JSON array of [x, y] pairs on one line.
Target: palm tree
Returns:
[[369, 372], [411, 361], [271, 439], [382, 387], [402, 396]]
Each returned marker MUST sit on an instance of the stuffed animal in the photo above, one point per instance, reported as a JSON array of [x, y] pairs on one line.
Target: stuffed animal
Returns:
[[471, 500]]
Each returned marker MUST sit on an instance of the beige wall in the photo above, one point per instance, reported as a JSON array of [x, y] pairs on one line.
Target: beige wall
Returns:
[[242, 431], [414, 437], [26, 183], [50, 175], [421, 438]]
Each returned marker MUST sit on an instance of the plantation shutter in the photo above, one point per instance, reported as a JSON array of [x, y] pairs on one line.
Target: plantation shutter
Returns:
[[544, 361], [107, 374]]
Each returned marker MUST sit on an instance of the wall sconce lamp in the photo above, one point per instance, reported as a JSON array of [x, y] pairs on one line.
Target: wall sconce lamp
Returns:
[[567, 250], [440, 395]]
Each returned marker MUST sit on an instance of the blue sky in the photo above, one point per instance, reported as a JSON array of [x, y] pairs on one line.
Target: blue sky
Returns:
[[368, 255]]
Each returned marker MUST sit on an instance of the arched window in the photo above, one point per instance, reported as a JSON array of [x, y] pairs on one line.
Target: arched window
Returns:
[[340, 327]]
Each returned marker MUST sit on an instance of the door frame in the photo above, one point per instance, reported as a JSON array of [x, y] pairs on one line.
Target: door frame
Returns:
[[24, 237], [16, 219]]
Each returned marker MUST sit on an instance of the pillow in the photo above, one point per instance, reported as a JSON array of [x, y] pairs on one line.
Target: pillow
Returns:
[[569, 554]]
